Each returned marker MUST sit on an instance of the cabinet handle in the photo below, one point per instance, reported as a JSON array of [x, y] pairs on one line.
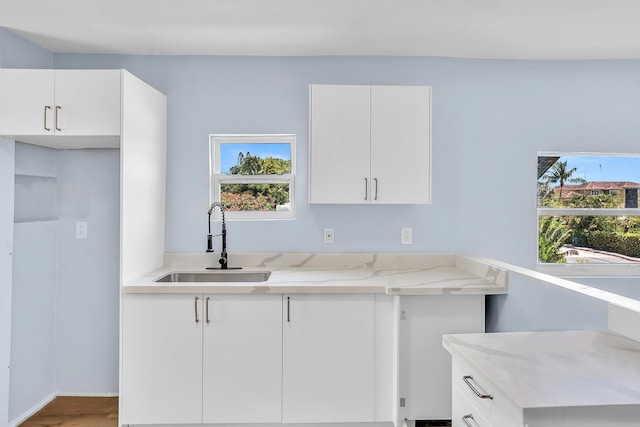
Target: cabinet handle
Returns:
[[366, 188], [58, 108], [466, 379], [288, 309], [46, 107], [466, 418], [376, 182], [207, 311], [196, 309]]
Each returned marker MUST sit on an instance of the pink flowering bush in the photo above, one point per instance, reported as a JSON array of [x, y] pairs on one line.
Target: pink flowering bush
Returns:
[[246, 202]]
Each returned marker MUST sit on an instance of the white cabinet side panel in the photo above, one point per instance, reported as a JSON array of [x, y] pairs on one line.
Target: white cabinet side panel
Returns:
[[7, 150], [32, 376], [384, 348], [425, 374], [143, 177]]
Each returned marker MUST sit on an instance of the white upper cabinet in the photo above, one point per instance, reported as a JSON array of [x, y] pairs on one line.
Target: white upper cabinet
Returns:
[[401, 144], [370, 144], [87, 102], [340, 136], [27, 102], [60, 102]]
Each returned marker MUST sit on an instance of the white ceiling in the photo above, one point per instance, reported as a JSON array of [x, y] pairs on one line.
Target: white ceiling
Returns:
[[510, 29]]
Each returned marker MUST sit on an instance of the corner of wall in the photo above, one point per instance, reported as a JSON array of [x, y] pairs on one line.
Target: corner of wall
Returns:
[[18, 52]]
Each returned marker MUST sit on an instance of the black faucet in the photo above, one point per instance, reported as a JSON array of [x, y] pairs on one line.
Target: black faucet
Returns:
[[223, 254]]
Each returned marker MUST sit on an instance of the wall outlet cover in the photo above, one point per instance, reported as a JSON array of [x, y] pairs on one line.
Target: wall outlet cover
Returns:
[[328, 235]]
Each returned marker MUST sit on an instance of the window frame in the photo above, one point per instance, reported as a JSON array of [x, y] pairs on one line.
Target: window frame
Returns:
[[216, 178], [585, 269]]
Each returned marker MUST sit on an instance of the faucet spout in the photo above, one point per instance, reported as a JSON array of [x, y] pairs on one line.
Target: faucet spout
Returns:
[[223, 233]]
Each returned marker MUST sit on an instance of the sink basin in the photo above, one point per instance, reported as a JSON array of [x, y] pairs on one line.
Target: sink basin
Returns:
[[216, 276]]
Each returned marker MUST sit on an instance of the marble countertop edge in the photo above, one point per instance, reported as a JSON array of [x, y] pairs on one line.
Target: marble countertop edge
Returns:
[[554, 369], [393, 274]]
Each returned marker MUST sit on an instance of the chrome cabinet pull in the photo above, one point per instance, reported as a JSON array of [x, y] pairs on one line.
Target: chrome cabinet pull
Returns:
[[366, 188], [466, 418], [376, 182], [46, 107], [207, 311], [58, 108], [196, 309], [466, 379], [288, 309]]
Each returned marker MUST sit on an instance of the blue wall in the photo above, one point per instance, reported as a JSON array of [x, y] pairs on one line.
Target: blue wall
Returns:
[[490, 118], [16, 52]]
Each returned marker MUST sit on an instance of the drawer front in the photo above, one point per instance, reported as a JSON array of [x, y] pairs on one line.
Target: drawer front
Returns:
[[463, 413], [493, 404]]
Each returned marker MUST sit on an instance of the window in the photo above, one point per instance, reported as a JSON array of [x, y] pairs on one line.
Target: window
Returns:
[[588, 209], [253, 175]]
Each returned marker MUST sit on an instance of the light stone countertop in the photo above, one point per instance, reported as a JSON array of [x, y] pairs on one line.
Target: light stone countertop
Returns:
[[555, 369], [394, 274]]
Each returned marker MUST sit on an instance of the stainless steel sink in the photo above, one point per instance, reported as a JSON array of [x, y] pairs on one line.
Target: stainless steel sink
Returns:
[[216, 276]]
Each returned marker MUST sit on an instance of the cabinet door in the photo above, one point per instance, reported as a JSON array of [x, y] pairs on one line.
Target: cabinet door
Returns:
[[25, 96], [401, 144], [328, 358], [339, 169], [87, 102], [161, 359], [242, 367]]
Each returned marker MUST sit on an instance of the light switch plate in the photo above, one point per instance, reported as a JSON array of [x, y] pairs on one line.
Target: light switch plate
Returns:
[[406, 236], [81, 230]]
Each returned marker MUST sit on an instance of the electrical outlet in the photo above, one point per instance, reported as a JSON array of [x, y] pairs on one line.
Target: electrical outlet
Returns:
[[406, 236], [81, 230], [328, 235]]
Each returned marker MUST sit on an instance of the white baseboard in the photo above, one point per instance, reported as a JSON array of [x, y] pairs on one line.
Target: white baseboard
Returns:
[[76, 394], [29, 412]]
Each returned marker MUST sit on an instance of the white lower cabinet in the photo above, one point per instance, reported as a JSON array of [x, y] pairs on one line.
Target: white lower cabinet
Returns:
[[161, 359], [328, 358], [238, 358], [201, 358], [242, 366]]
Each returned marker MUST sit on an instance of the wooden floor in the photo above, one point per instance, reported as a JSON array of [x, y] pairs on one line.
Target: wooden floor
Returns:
[[77, 412]]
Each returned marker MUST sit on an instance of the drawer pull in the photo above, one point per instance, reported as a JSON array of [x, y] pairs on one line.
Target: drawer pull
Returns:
[[466, 419], [466, 379]]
